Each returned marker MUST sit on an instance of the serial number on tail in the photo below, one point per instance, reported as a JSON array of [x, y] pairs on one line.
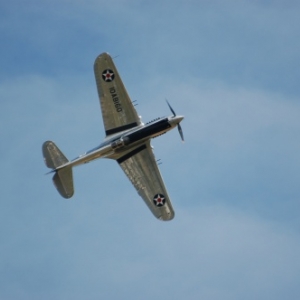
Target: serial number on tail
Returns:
[[115, 99]]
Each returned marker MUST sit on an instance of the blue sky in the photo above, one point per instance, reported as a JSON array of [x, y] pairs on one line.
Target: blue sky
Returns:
[[232, 68]]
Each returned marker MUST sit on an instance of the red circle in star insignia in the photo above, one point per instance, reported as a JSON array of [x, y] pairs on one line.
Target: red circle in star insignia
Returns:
[[159, 200], [108, 75]]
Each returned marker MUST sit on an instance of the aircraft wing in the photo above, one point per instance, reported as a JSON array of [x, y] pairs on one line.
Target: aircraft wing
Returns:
[[117, 109], [141, 168]]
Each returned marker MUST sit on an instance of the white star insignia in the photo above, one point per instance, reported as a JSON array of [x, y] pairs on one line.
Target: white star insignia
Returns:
[[159, 200], [108, 75]]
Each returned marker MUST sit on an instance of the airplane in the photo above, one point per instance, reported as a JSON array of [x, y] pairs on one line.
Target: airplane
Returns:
[[127, 141]]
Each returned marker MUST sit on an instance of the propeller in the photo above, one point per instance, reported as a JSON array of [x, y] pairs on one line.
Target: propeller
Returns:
[[180, 132], [178, 125]]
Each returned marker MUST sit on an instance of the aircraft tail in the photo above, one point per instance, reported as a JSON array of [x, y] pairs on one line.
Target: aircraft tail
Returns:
[[63, 177]]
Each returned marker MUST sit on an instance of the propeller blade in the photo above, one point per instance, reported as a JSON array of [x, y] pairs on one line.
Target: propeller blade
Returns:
[[178, 125], [171, 108], [180, 132]]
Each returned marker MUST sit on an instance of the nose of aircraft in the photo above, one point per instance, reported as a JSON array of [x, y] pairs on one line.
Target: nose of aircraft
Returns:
[[180, 118], [175, 120]]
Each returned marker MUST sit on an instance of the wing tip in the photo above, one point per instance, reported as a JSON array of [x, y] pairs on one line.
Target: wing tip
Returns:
[[104, 55], [167, 217]]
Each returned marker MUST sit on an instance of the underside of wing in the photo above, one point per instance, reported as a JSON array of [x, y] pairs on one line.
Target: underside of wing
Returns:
[[141, 168], [117, 109]]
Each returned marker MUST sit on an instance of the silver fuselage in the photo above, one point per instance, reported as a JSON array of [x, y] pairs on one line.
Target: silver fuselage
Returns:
[[118, 144]]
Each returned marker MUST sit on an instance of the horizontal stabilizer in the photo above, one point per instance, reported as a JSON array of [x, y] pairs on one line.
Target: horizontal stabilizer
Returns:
[[63, 177], [63, 181], [53, 157]]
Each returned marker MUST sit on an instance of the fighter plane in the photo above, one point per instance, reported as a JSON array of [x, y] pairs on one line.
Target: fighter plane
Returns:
[[127, 141]]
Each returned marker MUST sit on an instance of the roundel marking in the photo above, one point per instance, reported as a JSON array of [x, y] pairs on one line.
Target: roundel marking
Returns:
[[108, 75], [159, 200]]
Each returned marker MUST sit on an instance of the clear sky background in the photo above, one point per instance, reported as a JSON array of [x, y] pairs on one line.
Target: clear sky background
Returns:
[[232, 68]]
